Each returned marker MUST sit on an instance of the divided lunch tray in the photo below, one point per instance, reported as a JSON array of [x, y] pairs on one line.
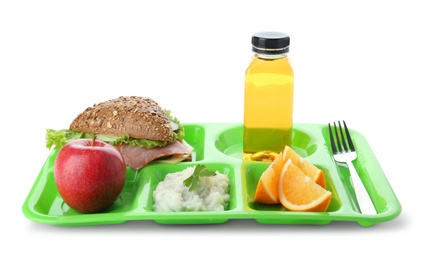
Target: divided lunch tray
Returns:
[[219, 147]]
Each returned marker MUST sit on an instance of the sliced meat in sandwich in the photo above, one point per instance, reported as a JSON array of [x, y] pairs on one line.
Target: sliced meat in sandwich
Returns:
[[138, 126]]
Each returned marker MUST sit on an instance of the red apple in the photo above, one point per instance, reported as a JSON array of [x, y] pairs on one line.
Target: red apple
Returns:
[[89, 175]]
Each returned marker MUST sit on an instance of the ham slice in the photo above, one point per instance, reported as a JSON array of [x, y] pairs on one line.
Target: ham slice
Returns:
[[138, 157]]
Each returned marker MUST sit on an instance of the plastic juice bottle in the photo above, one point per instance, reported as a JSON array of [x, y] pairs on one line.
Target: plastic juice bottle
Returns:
[[268, 101]]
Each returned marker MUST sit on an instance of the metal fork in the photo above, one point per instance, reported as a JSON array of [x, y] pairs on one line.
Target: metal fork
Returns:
[[343, 151]]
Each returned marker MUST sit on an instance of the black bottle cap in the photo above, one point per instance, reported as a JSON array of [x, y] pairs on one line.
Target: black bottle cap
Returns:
[[270, 42]]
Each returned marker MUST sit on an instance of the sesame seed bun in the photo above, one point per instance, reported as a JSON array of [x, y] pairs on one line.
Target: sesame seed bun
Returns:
[[139, 117]]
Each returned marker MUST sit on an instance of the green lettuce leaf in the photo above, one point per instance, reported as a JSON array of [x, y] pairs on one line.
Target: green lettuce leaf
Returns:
[[178, 128], [59, 138]]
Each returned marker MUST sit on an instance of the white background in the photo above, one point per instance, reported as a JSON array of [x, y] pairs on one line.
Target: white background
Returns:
[[361, 61]]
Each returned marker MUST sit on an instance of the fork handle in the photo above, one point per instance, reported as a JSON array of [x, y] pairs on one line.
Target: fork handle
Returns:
[[363, 198]]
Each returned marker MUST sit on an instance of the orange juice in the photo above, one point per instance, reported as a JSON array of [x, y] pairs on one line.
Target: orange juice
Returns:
[[268, 101]]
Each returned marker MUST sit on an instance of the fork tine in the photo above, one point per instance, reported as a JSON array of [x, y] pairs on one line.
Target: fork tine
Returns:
[[331, 137], [337, 137], [347, 133], [344, 143]]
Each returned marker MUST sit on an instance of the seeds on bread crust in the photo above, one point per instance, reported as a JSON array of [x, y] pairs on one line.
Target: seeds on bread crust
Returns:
[[139, 117]]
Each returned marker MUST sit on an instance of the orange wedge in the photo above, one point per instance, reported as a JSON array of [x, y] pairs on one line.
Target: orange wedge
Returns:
[[308, 168], [299, 192], [267, 191]]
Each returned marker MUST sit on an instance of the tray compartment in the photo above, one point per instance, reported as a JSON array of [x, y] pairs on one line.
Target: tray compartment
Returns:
[[47, 206], [195, 136], [152, 175], [229, 142], [251, 173], [58, 207]]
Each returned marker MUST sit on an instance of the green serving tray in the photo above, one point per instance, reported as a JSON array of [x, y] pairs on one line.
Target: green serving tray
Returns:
[[219, 147]]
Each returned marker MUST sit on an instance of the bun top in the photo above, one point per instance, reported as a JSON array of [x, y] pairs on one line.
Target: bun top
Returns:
[[139, 117]]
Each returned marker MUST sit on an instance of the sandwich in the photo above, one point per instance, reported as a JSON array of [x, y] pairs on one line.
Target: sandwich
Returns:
[[137, 126]]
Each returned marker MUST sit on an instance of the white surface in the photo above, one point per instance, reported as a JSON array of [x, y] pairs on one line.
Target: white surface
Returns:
[[360, 61]]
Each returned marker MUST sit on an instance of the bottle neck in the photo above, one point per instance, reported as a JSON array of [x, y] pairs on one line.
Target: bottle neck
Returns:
[[271, 56]]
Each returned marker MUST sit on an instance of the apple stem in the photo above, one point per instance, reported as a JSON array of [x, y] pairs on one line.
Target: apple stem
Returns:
[[92, 140]]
